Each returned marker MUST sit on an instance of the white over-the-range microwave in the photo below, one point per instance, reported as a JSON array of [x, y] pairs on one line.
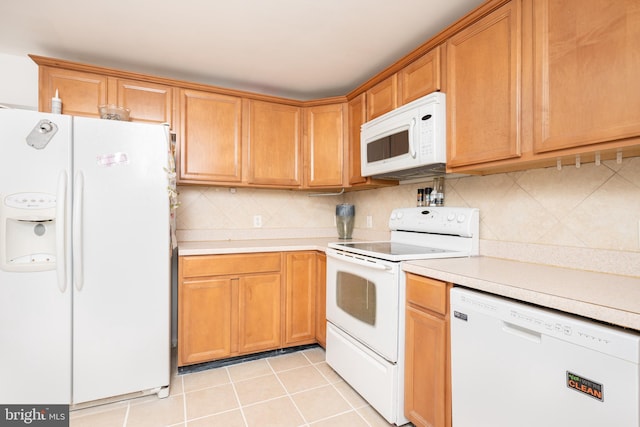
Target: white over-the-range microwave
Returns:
[[408, 142]]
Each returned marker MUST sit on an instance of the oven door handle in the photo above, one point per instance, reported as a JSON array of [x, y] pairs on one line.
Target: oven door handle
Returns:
[[359, 261]]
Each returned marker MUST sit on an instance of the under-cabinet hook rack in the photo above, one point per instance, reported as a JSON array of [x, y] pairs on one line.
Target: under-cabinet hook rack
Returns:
[[326, 194]]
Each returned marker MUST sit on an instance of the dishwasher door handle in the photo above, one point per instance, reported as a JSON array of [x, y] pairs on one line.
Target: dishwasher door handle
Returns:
[[522, 332]]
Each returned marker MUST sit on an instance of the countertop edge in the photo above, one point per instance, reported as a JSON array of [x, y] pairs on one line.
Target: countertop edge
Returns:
[[252, 246]]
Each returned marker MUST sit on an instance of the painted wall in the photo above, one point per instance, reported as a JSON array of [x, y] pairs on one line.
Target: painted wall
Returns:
[[18, 82]]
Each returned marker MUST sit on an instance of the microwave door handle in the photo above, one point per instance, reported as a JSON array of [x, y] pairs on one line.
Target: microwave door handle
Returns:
[[412, 128]]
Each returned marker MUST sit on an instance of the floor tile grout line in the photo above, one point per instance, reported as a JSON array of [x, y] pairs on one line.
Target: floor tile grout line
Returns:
[[184, 401], [293, 402], [353, 407], [126, 415], [235, 392]]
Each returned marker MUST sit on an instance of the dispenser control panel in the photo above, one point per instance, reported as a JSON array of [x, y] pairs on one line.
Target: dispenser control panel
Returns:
[[28, 231], [30, 201]]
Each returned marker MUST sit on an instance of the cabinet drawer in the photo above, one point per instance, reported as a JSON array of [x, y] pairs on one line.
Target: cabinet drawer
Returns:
[[427, 293], [220, 265]]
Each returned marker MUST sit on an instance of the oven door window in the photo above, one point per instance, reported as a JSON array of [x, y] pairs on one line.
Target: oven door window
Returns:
[[357, 297]]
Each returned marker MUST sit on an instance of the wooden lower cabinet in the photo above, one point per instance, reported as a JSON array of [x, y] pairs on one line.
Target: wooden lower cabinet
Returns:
[[321, 299], [205, 320], [300, 321], [237, 304], [228, 305], [259, 312], [427, 388]]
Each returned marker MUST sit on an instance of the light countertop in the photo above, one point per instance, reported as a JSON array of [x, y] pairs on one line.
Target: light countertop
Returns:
[[605, 297]]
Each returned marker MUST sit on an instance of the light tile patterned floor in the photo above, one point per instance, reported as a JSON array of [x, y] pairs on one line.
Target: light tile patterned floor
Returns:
[[293, 390]]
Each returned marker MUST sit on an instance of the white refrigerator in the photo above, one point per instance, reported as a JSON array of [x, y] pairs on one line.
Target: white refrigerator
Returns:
[[84, 258]]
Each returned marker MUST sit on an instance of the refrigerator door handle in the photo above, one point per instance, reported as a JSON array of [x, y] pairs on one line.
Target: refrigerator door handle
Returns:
[[77, 231], [61, 231]]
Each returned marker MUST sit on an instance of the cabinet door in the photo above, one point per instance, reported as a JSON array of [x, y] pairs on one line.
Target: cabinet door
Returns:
[[324, 145], [321, 299], [587, 65], [148, 102], [300, 322], [382, 98], [357, 116], [274, 144], [420, 78], [204, 320], [81, 92], [210, 144], [259, 312], [425, 373], [483, 96]]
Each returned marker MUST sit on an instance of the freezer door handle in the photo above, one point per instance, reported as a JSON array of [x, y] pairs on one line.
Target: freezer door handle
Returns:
[[61, 231], [77, 231]]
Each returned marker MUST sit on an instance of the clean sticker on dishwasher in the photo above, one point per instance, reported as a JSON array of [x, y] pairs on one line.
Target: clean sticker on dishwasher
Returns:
[[112, 159], [585, 386]]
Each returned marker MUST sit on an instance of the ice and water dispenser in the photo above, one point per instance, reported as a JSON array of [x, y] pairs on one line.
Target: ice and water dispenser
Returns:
[[28, 235]]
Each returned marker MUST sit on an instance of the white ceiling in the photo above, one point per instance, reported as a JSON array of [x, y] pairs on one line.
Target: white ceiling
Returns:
[[300, 49]]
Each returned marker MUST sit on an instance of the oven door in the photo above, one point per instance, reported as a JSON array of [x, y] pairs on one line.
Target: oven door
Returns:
[[363, 299]]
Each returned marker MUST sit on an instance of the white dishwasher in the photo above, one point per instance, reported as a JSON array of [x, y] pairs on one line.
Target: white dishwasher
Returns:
[[514, 364]]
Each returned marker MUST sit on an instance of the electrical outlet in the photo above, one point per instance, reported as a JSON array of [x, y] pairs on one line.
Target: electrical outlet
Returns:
[[257, 221], [369, 221]]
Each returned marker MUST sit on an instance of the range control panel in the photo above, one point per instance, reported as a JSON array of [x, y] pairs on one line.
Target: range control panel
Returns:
[[438, 219]]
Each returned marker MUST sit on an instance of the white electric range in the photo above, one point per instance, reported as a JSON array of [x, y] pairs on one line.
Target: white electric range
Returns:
[[366, 294]]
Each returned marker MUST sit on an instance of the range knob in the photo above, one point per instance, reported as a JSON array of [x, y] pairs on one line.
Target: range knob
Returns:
[[461, 218], [451, 217]]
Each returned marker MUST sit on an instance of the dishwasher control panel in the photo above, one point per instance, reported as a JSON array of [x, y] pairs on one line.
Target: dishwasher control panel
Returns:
[[540, 323]]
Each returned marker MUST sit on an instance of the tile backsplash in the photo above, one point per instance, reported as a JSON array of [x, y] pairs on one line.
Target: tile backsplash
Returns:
[[587, 217]]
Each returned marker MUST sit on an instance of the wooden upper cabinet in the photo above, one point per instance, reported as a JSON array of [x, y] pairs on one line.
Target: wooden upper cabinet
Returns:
[[420, 78], [587, 63], [324, 147], [81, 92], [484, 89], [357, 111], [148, 102], [273, 133], [382, 97], [210, 143]]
